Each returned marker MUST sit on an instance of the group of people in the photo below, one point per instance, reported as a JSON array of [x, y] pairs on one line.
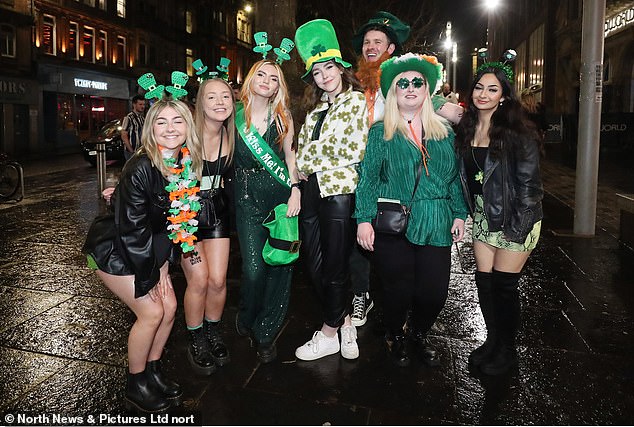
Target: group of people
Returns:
[[379, 135]]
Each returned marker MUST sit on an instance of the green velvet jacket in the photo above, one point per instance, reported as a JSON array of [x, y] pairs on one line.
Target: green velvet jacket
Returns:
[[389, 170]]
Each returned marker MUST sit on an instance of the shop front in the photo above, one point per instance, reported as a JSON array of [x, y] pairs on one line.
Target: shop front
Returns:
[[77, 103], [18, 115]]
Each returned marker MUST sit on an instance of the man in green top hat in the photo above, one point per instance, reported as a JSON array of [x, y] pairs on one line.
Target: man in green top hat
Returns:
[[376, 41]]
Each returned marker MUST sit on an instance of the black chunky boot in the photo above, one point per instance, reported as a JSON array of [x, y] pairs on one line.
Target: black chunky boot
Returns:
[[506, 304], [424, 348], [218, 348], [397, 349], [485, 297], [142, 396], [199, 353], [155, 377], [266, 352]]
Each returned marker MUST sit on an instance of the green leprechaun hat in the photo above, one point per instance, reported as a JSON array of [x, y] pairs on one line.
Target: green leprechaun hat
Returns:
[[393, 27], [316, 41], [199, 67], [148, 82], [284, 50], [261, 43], [179, 80], [427, 65]]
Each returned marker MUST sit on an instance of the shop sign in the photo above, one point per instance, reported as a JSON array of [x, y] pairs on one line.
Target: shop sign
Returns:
[[19, 91], [619, 21], [92, 84]]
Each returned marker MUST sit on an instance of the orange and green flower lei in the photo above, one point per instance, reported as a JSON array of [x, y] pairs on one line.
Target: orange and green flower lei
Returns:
[[184, 200]]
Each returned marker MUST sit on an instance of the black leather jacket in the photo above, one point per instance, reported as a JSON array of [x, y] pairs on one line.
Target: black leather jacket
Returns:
[[512, 190], [134, 240]]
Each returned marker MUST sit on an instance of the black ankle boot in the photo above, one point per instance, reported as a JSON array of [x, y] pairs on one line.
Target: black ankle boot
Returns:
[[199, 353], [155, 377], [424, 348], [218, 348], [397, 349], [507, 318], [267, 352], [141, 395], [485, 297]]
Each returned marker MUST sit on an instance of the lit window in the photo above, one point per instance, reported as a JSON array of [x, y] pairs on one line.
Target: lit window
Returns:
[[102, 4], [121, 51], [7, 39], [188, 22], [189, 59], [73, 46], [49, 35], [121, 8], [88, 44], [101, 55]]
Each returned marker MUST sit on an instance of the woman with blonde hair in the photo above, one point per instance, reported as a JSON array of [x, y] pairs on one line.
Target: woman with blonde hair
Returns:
[[206, 267], [410, 161], [263, 116], [130, 249]]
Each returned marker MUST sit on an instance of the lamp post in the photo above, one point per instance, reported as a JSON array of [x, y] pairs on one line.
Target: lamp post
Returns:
[[448, 46], [491, 6]]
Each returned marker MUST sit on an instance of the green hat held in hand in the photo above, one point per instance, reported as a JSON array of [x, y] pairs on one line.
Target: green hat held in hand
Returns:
[[282, 245], [316, 41]]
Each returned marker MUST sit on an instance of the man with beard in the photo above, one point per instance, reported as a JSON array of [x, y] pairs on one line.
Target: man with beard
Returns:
[[376, 41]]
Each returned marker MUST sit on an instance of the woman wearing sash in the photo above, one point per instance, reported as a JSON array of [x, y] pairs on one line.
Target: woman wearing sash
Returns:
[[206, 267], [264, 121], [331, 144]]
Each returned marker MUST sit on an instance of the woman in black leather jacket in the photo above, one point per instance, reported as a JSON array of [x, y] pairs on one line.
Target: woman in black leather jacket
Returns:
[[498, 151], [130, 249]]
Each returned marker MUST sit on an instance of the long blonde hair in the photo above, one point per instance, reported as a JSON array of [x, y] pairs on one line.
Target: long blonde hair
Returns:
[[151, 147], [435, 127], [278, 102], [229, 122]]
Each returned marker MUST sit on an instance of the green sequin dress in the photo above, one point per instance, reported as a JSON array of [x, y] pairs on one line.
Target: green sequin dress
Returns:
[[264, 289]]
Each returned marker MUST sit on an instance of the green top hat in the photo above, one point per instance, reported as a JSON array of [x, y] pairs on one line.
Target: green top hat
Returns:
[[223, 67], [427, 65], [316, 41], [261, 43], [179, 79], [199, 67], [396, 30], [283, 51], [148, 82]]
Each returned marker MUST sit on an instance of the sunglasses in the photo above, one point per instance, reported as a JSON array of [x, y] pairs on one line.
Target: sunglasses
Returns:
[[403, 83]]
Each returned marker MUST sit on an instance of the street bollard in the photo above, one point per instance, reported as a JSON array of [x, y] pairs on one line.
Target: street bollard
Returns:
[[101, 167]]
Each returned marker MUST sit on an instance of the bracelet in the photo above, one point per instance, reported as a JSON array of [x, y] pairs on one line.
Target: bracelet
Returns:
[[295, 185]]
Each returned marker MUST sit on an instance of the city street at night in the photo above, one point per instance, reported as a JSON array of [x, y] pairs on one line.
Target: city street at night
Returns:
[[63, 334]]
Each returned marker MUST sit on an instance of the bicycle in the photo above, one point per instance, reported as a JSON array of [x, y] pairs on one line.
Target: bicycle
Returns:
[[11, 180]]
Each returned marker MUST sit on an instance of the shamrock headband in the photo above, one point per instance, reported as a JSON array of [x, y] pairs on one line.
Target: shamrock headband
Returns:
[[203, 74], [262, 47], [148, 82], [505, 68]]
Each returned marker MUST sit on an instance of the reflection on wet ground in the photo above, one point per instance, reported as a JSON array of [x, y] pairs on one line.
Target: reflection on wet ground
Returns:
[[63, 336]]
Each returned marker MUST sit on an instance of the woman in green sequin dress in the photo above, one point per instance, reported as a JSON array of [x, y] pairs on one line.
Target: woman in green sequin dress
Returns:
[[264, 289]]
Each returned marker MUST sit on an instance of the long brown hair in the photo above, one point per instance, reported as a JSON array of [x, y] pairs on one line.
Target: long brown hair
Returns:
[[279, 102], [313, 94]]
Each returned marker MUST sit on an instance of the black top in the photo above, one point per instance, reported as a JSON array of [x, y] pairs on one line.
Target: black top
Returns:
[[474, 163]]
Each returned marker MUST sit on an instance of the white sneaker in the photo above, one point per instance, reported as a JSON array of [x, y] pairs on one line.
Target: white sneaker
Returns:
[[349, 347], [319, 346]]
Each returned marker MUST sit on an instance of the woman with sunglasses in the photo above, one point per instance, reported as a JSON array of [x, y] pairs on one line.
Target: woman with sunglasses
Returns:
[[410, 159]]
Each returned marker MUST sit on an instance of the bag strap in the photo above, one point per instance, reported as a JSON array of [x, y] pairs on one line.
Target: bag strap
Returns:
[[418, 174], [261, 150]]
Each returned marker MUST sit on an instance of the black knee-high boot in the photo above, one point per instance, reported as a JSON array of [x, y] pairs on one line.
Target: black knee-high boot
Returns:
[[485, 297], [506, 305]]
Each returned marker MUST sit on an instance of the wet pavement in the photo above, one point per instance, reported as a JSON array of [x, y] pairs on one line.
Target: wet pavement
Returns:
[[63, 335]]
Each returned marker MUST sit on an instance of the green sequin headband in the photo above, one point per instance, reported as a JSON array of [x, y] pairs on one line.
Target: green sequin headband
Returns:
[[506, 69], [177, 89]]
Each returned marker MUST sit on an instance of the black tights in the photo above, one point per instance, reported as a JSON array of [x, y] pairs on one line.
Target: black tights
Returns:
[[414, 277]]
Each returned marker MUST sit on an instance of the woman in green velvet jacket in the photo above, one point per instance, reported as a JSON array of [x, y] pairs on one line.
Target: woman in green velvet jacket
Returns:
[[412, 143]]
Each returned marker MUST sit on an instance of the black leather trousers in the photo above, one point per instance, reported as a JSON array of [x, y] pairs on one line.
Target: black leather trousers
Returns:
[[328, 231]]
